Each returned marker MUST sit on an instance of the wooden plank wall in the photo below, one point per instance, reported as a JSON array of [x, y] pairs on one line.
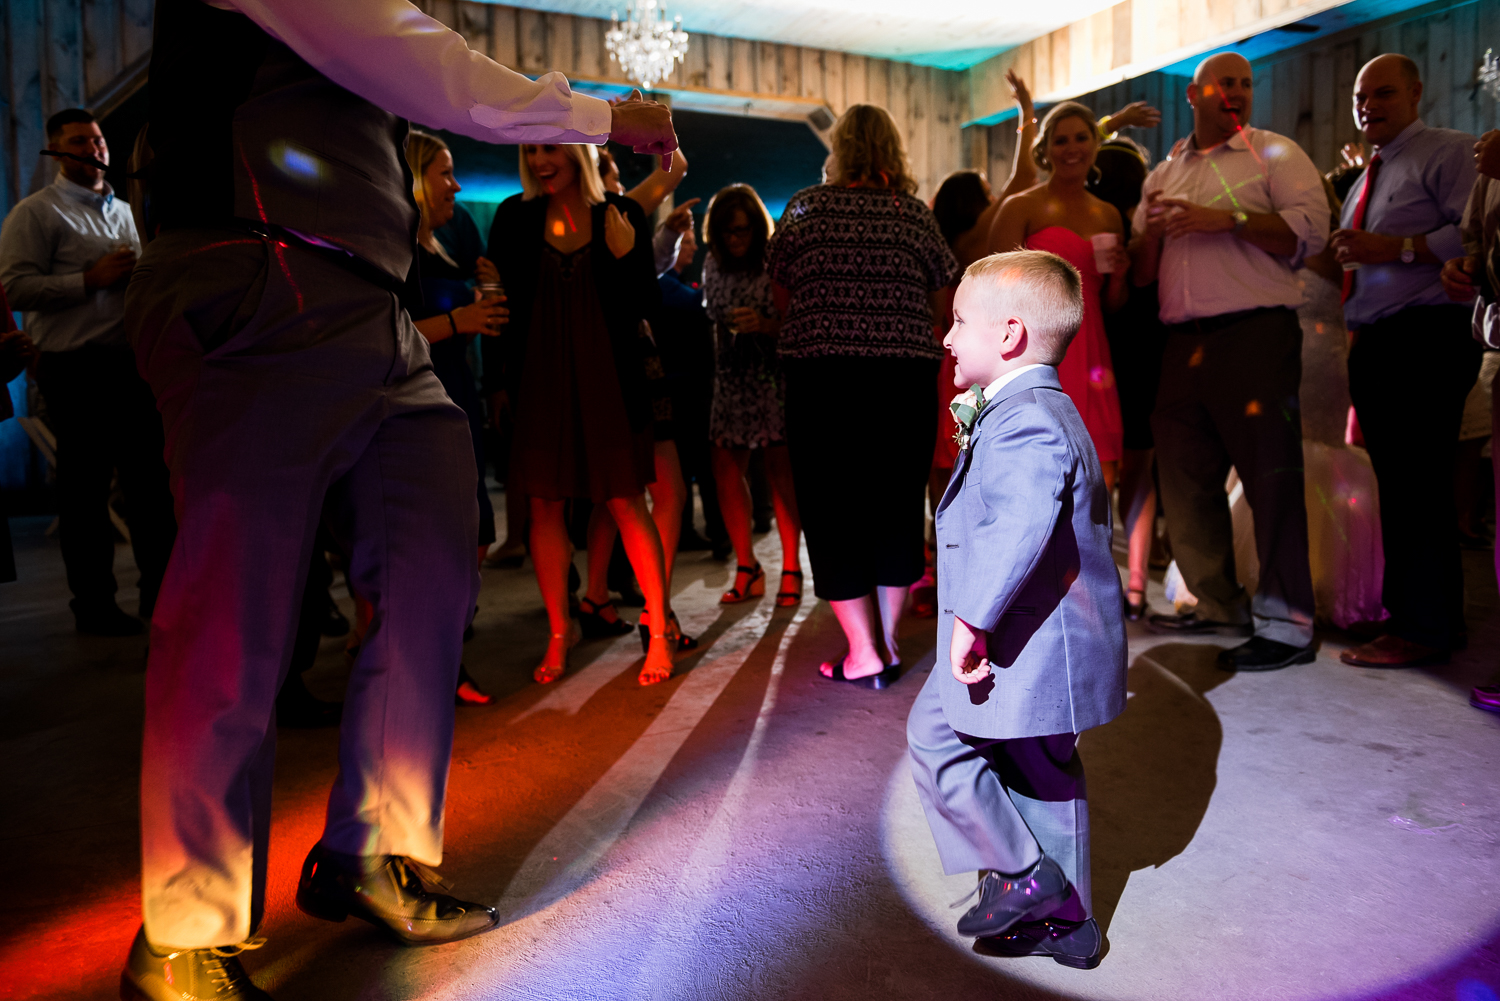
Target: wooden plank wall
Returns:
[[57, 54], [929, 105], [1305, 93]]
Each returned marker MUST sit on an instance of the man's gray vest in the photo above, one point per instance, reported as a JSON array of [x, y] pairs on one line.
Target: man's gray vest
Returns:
[[246, 133]]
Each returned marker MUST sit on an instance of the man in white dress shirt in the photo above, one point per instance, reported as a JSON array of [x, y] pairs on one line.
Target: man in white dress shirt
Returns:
[[293, 389], [65, 253], [1225, 222]]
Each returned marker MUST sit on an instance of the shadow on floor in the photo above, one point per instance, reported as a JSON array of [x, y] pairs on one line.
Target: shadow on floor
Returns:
[[1152, 772]]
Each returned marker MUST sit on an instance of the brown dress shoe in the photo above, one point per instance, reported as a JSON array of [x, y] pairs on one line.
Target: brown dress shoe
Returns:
[[188, 974], [1393, 651]]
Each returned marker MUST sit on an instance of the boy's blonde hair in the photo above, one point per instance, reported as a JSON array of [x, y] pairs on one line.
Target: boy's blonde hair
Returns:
[[1041, 289]]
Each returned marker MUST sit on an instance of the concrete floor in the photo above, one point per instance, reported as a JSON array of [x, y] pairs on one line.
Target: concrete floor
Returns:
[[748, 830]]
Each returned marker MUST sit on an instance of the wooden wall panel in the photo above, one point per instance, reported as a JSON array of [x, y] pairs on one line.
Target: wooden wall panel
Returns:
[[833, 81], [716, 51], [856, 79], [505, 36]]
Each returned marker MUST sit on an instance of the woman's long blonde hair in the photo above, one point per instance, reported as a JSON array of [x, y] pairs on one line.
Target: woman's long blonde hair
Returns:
[[585, 159], [867, 150], [421, 149]]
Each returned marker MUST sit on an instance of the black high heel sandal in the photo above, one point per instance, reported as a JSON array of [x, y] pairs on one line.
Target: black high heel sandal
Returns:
[[684, 642], [595, 626], [790, 599], [754, 587]]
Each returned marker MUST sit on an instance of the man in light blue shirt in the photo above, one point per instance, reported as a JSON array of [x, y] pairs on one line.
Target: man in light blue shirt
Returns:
[[1412, 362], [66, 253]]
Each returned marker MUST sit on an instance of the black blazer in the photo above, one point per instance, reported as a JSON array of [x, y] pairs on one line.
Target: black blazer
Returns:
[[628, 294]]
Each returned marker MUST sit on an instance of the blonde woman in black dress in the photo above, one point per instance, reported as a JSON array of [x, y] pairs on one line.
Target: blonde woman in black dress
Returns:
[[577, 264]]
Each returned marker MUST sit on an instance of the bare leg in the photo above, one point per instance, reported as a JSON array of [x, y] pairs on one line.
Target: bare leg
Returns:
[[1138, 511], [643, 546], [730, 468], [602, 531], [668, 495], [857, 618], [784, 497], [892, 603], [550, 554]]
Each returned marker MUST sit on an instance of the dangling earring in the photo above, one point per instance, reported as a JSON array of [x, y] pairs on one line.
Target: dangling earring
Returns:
[[1095, 174]]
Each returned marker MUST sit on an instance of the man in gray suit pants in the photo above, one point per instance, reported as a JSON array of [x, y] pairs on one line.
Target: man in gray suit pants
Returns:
[[1032, 621]]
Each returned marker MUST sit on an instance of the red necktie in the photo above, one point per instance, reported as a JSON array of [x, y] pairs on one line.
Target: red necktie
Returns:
[[1359, 218]]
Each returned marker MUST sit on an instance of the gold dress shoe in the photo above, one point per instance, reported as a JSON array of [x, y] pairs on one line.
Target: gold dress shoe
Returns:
[[1393, 651], [188, 974], [390, 892]]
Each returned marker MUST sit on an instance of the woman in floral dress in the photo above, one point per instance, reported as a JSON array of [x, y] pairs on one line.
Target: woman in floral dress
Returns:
[[749, 408]]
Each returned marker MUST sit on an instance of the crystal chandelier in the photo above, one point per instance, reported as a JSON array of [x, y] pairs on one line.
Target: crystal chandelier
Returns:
[[1489, 74], [647, 45]]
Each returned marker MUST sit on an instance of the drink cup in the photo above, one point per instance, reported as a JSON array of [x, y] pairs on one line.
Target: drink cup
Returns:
[[491, 290], [1103, 244]]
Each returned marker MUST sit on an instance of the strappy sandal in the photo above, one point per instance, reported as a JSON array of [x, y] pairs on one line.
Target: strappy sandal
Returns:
[[754, 587], [790, 599], [595, 626], [684, 642], [548, 673]]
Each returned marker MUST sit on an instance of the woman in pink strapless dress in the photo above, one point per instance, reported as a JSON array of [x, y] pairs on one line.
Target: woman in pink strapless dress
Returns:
[[1060, 216]]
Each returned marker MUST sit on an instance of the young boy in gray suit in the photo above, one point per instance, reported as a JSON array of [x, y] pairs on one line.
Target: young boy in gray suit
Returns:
[[1031, 636]]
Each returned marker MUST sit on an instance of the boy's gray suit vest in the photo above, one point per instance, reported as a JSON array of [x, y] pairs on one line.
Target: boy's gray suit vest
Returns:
[[246, 132]]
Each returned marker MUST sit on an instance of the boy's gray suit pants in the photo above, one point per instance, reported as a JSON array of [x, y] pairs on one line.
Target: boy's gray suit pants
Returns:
[[999, 804], [292, 390]]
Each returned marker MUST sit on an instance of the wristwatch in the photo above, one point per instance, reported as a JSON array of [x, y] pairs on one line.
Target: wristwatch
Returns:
[[1240, 219], [1408, 251]]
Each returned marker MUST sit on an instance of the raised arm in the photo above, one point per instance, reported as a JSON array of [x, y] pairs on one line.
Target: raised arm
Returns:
[[1023, 167], [392, 54]]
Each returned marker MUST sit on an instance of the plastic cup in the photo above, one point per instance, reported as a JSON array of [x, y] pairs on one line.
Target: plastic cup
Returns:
[[491, 290], [1103, 244]]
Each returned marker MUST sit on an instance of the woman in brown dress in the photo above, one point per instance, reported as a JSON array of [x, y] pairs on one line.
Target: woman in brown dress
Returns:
[[576, 263]]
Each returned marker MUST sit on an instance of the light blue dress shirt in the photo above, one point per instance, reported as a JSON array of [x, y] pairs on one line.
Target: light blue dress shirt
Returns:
[[1422, 188], [48, 241]]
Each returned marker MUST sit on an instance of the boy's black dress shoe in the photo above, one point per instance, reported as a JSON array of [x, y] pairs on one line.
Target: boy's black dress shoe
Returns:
[[188, 975], [1261, 654], [389, 892], [1078, 944], [1189, 624], [1005, 900]]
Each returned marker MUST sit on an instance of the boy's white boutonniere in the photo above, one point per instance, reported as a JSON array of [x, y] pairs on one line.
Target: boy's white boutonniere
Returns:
[[966, 407]]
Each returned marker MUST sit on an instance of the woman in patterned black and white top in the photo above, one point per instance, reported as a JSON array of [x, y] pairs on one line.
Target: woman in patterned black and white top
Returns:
[[861, 272], [749, 389]]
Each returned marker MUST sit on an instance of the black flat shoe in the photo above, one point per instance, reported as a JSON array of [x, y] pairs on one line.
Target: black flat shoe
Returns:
[[188, 974], [1008, 900], [875, 682], [595, 626], [1078, 944], [389, 892], [1188, 624], [1261, 654]]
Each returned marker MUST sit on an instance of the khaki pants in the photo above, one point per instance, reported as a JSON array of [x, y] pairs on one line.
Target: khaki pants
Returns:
[[291, 391]]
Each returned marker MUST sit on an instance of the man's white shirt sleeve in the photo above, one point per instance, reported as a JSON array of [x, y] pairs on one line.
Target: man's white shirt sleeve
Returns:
[[412, 65]]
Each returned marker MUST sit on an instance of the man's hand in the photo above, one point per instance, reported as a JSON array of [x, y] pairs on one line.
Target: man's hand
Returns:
[[1458, 278], [967, 654], [109, 269], [619, 235], [681, 219], [1135, 115], [485, 272], [1183, 217], [645, 126], [1357, 246], [1156, 217]]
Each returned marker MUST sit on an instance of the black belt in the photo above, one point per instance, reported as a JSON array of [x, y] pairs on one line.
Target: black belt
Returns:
[[1209, 324]]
